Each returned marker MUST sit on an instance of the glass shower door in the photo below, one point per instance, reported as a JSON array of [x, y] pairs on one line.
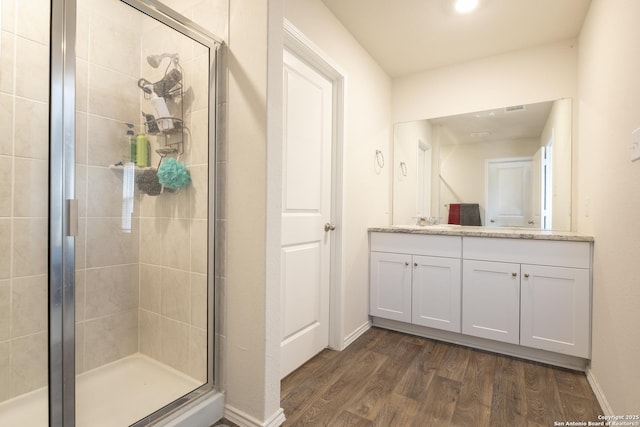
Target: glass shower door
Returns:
[[24, 160], [143, 167], [106, 211]]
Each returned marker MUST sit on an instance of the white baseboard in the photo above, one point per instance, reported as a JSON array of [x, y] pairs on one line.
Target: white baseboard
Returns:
[[597, 390], [245, 420], [355, 334]]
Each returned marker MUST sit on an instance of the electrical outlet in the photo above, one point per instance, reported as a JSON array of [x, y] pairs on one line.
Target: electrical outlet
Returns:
[[635, 145]]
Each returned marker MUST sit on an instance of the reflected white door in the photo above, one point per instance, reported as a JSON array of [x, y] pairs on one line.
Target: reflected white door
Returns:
[[509, 193], [306, 208]]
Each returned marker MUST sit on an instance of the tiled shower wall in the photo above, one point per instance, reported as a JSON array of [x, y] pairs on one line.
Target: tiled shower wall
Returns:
[[24, 94], [107, 257]]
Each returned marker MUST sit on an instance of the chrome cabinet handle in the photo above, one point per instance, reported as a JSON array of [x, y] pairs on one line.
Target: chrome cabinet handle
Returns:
[[526, 275], [329, 227], [406, 264], [514, 274]]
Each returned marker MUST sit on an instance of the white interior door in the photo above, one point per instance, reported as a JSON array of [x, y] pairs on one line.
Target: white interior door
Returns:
[[306, 213], [509, 193]]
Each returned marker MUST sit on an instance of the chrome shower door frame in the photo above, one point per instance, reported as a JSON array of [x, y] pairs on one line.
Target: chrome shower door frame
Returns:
[[61, 214], [63, 206]]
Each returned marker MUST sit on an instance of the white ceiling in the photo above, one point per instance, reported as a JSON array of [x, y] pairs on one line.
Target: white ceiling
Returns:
[[408, 36]]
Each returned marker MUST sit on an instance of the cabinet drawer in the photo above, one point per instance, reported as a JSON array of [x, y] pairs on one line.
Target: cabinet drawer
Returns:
[[542, 252], [417, 244]]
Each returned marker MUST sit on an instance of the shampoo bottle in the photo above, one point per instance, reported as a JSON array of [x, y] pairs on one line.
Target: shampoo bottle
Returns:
[[162, 112], [142, 150]]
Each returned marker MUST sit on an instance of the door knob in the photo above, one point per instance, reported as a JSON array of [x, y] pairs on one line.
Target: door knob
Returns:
[[329, 227]]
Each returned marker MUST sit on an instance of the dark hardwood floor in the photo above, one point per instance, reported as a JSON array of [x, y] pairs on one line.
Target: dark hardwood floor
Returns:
[[389, 379]]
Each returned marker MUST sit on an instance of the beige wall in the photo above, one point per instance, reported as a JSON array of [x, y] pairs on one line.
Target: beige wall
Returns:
[[543, 73], [366, 199], [609, 194], [250, 350]]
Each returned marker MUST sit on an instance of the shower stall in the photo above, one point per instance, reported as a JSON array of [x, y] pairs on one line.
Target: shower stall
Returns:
[[108, 236]]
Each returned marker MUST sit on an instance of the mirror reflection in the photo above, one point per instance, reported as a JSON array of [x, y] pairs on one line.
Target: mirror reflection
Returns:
[[506, 167]]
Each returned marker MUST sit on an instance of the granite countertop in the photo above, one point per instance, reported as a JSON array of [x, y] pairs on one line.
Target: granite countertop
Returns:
[[472, 231]]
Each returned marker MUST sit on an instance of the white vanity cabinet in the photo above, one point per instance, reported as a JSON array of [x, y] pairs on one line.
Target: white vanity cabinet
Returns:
[[507, 291], [540, 298], [416, 280]]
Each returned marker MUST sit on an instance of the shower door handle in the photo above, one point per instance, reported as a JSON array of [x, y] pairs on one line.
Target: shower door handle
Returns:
[[72, 217], [329, 227]]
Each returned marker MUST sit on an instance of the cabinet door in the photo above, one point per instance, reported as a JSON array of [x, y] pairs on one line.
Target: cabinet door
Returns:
[[436, 292], [491, 300], [555, 309], [390, 286]]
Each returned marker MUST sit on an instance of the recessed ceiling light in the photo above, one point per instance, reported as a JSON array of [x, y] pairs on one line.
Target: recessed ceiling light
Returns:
[[465, 6]]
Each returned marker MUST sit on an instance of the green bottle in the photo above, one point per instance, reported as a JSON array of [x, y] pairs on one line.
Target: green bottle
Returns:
[[142, 150]]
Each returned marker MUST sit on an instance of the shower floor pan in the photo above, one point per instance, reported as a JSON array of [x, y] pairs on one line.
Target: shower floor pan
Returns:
[[117, 394]]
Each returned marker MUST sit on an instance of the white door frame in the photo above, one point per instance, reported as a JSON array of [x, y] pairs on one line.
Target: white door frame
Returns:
[[303, 48]]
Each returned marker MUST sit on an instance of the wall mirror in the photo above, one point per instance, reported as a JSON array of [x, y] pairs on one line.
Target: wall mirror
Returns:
[[514, 163]]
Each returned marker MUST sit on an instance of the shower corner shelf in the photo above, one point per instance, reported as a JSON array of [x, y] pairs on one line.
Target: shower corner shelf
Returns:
[[153, 126], [137, 168]]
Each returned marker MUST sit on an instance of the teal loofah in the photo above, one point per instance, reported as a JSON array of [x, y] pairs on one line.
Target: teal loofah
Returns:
[[173, 174]]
